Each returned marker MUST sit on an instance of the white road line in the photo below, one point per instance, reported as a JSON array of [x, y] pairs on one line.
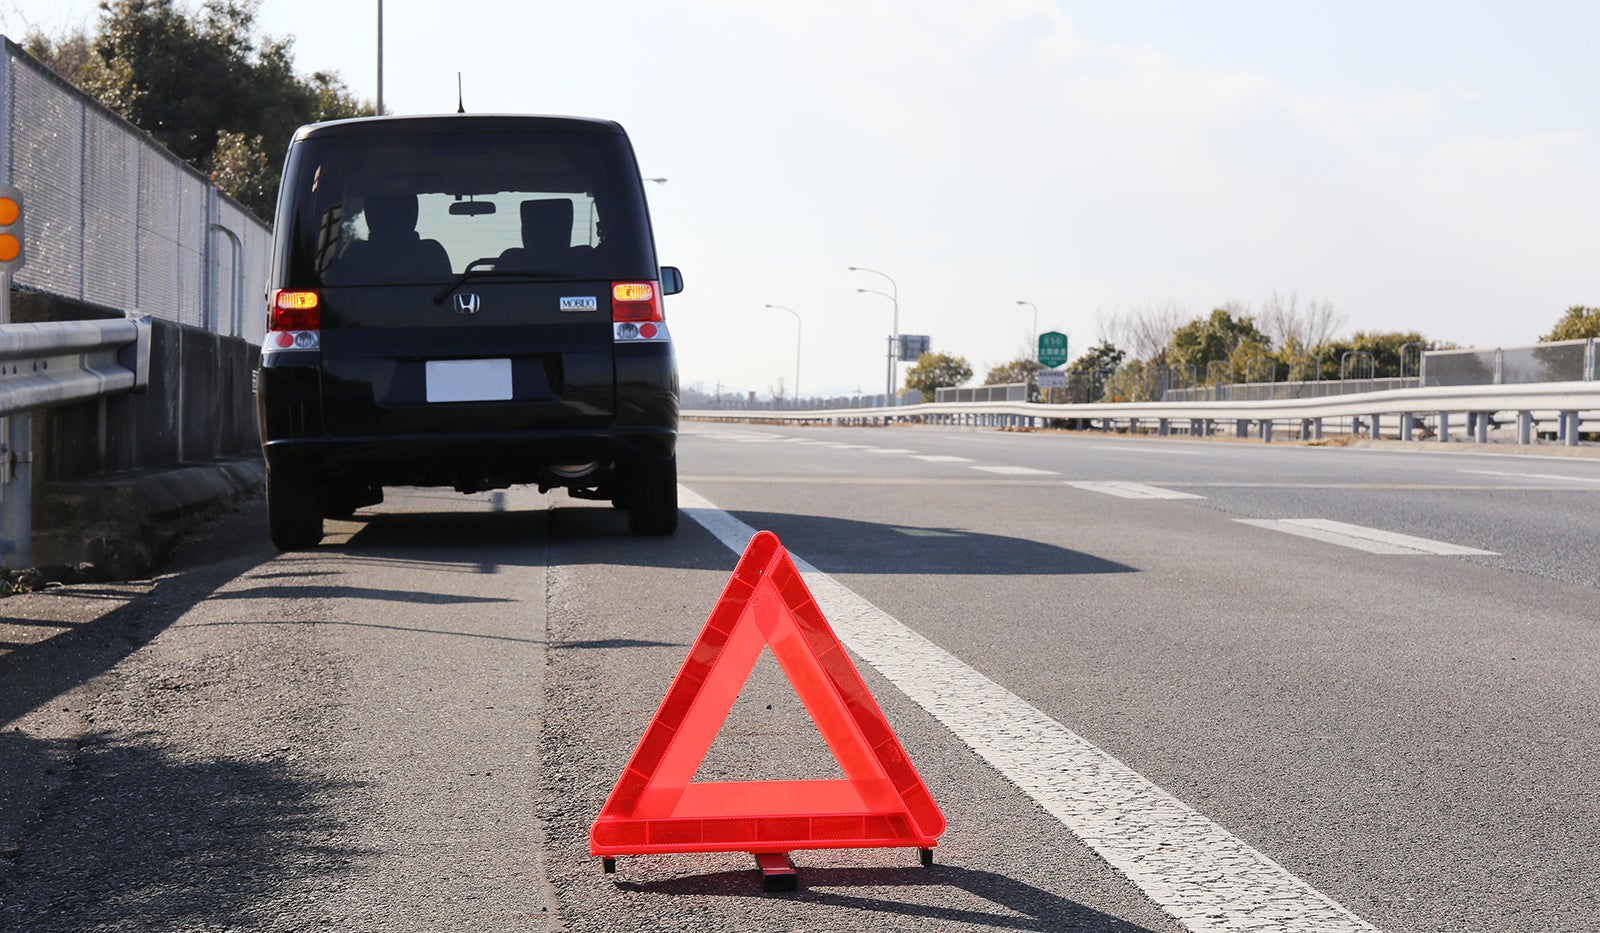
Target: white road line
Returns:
[[890, 450], [1361, 538], [1195, 870], [1570, 479], [941, 458], [1016, 471], [1152, 447], [1132, 490]]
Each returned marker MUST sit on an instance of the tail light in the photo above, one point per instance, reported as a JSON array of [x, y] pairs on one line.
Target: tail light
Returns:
[[295, 310], [635, 302], [294, 320]]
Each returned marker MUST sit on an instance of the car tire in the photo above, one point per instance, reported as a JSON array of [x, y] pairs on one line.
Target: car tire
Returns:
[[294, 514], [652, 499]]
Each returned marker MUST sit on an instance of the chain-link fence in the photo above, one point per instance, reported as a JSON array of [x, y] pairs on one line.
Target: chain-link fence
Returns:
[[114, 219]]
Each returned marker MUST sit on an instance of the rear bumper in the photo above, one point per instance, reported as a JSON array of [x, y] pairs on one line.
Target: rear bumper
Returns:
[[516, 449], [444, 460]]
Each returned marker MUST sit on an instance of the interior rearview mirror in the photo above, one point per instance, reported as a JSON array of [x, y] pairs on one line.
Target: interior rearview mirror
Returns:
[[472, 208]]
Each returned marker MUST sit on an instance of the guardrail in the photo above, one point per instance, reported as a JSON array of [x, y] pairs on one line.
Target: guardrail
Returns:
[[42, 365], [69, 361], [1566, 405]]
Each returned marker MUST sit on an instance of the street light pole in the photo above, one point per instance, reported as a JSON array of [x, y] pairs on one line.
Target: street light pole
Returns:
[[890, 368], [894, 338], [1035, 328], [796, 350]]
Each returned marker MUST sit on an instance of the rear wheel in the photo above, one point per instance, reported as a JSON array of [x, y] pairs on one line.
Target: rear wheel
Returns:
[[652, 499], [294, 514]]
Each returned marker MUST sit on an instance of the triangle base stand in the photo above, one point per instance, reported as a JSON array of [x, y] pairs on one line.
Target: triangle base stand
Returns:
[[778, 874]]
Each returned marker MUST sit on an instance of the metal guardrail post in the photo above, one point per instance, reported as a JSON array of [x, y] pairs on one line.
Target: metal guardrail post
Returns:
[[1525, 427], [16, 472], [1483, 427], [1444, 427], [1408, 426]]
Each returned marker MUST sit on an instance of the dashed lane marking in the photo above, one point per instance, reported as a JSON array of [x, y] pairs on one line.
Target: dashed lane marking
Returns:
[[1149, 448], [1570, 479], [1016, 471], [1362, 538], [1195, 870], [941, 458], [1133, 490]]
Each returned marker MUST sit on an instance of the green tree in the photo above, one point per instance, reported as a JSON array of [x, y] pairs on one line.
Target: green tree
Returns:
[[203, 84], [1130, 383], [1385, 350], [1576, 323], [1218, 337], [1103, 358], [1011, 373], [937, 371]]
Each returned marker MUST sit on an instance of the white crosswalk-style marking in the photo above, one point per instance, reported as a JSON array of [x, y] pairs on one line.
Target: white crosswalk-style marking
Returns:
[[1016, 471], [1132, 490], [1361, 538]]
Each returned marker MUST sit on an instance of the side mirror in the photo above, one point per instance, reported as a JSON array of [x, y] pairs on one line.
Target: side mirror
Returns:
[[671, 280]]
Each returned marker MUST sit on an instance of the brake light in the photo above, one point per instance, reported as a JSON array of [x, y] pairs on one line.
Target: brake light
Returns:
[[634, 301], [295, 310]]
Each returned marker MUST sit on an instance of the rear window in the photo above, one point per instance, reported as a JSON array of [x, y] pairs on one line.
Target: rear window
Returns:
[[420, 208]]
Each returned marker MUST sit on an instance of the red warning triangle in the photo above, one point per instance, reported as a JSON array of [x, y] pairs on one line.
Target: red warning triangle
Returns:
[[656, 806]]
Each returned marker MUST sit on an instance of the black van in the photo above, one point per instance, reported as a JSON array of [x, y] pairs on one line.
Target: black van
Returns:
[[465, 301]]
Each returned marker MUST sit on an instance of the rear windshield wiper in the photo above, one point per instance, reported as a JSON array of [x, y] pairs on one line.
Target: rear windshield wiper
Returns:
[[473, 272]]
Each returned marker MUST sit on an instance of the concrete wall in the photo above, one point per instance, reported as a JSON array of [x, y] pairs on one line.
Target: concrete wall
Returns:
[[119, 482]]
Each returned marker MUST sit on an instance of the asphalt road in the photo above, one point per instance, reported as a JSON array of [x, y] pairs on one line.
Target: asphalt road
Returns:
[[1132, 708]]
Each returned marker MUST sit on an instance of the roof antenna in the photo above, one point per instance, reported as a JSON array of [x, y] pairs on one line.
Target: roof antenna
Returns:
[[460, 107]]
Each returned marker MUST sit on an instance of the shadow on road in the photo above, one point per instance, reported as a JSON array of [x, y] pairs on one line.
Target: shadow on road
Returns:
[[36, 673], [833, 545], [1021, 906], [142, 837]]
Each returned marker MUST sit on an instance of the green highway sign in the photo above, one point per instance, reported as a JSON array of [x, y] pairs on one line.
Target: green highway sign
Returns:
[[1052, 348]]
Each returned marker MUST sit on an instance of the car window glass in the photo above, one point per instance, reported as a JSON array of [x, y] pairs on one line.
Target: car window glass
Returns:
[[421, 209]]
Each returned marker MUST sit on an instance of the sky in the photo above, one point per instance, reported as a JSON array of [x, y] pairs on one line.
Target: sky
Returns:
[[1424, 166]]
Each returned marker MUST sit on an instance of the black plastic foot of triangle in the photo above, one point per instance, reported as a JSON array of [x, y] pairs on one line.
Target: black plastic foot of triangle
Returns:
[[927, 857], [609, 865]]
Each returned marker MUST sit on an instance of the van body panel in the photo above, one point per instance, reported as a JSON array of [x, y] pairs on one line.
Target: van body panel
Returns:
[[461, 268]]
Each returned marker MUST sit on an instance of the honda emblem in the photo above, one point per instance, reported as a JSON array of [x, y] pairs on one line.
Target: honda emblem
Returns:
[[467, 304]]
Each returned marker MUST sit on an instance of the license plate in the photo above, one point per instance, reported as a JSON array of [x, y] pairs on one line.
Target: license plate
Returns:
[[469, 380]]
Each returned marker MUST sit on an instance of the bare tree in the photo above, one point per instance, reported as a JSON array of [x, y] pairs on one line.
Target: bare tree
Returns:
[[1144, 331], [1285, 320]]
